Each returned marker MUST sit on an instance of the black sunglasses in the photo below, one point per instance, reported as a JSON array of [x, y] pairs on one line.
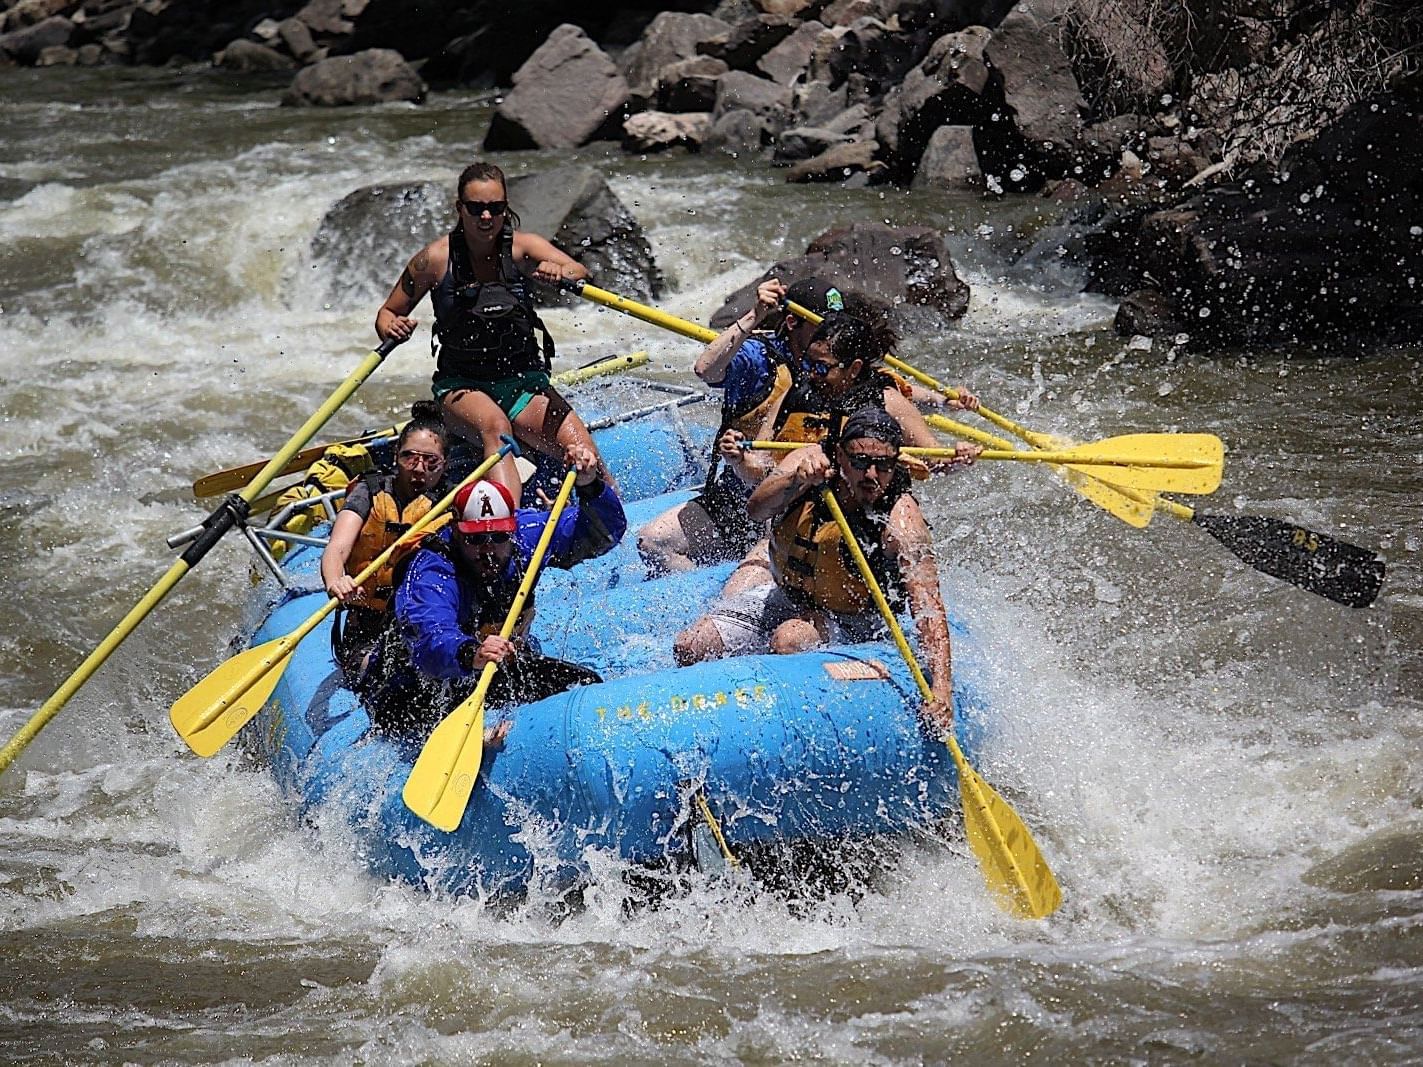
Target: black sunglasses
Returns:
[[499, 537], [817, 370], [479, 207], [862, 461]]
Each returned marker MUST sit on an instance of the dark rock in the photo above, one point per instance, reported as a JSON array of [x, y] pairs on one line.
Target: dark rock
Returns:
[[195, 29], [948, 16], [869, 50], [58, 55], [690, 85], [950, 161], [739, 91], [567, 94], [670, 38], [1043, 102], [575, 208], [24, 45], [788, 60], [743, 44], [296, 36], [806, 142], [1330, 247], [375, 76], [331, 18], [33, 12], [814, 103], [656, 131], [247, 56], [844, 12], [946, 88], [853, 163], [365, 239], [905, 268], [739, 132], [1146, 312]]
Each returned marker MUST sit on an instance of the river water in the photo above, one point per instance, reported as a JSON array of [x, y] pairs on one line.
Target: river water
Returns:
[[1221, 768]]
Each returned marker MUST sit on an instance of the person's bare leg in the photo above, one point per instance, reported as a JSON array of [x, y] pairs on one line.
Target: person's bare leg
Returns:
[[677, 538], [699, 642], [753, 570], [476, 417], [796, 635], [549, 426]]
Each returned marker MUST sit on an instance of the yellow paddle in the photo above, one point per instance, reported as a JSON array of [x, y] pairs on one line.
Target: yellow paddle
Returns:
[[209, 714], [1180, 463], [1013, 865], [442, 779], [1312, 561], [236, 477], [229, 513]]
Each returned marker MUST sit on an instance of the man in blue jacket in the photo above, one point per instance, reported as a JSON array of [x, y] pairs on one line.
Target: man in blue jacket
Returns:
[[456, 591]]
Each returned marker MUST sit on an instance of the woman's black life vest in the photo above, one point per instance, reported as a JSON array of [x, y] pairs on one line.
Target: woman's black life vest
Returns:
[[486, 331]]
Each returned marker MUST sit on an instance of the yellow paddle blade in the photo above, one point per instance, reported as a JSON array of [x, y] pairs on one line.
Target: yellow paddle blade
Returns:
[[1012, 864], [1131, 506], [208, 715], [1168, 462], [440, 783]]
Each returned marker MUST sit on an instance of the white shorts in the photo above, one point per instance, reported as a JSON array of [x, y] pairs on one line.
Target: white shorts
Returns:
[[746, 621]]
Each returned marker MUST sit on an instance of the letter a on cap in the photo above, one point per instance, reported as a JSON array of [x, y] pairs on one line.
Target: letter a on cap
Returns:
[[484, 507]]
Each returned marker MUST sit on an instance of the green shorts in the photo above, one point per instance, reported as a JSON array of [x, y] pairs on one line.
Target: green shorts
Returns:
[[511, 394]]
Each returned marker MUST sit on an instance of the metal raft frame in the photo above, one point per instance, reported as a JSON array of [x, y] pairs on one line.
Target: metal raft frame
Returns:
[[260, 537]]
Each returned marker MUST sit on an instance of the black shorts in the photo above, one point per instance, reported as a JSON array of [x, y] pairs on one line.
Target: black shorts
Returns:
[[726, 507]]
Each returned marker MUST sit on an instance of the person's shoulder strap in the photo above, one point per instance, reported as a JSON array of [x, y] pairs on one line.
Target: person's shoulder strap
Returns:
[[460, 271]]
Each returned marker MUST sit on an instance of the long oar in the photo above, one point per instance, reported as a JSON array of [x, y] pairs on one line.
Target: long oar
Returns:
[[236, 477], [641, 311], [442, 779], [1182, 463], [1312, 561], [229, 513], [1013, 865], [209, 714]]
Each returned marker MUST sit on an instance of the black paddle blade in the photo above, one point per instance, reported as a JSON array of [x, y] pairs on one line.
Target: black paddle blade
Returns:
[[1336, 570]]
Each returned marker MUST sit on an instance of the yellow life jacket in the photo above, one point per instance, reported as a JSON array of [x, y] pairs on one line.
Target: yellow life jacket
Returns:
[[383, 527], [749, 421], [337, 466], [810, 562], [797, 422]]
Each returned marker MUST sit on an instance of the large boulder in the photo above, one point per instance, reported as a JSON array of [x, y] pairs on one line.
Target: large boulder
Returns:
[[1039, 135], [906, 268], [671, 38], [27, 44], [946, 89], [365, 239], [567, 94], [375, 76], [1329, 246]]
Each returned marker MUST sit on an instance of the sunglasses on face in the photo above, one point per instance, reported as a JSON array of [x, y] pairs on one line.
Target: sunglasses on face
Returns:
[[817, 370], [862, 461], [499, 537], [479, 207], [420, 459]]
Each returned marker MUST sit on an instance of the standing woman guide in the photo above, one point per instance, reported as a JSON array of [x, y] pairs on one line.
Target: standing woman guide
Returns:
[[492, 350]]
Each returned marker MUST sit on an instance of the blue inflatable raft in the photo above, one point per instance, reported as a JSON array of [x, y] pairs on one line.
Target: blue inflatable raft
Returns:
[[820, 747]]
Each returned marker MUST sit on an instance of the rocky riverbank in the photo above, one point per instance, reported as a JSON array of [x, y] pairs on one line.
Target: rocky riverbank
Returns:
[[1246, 172]]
